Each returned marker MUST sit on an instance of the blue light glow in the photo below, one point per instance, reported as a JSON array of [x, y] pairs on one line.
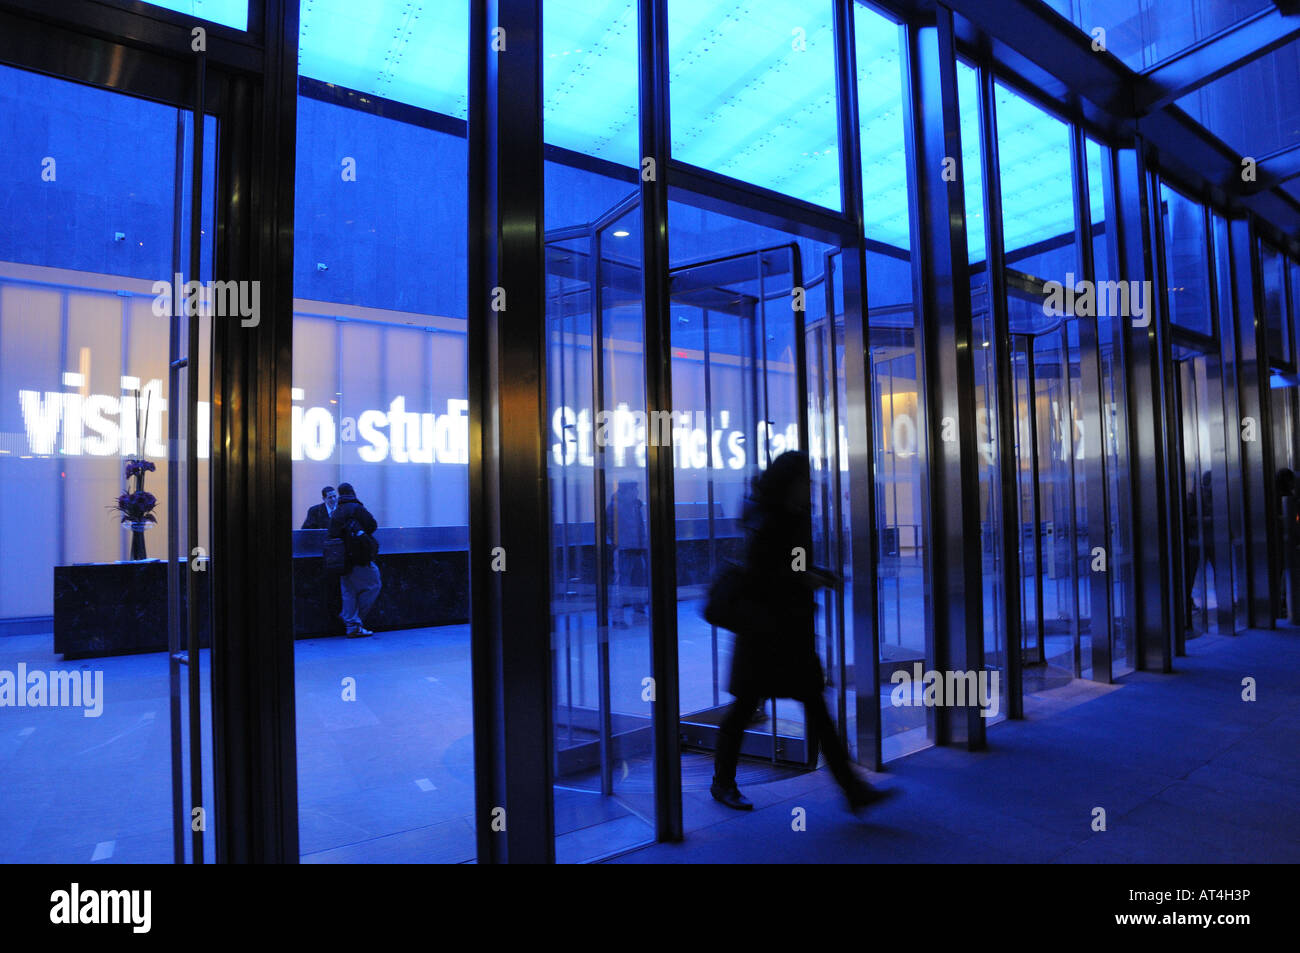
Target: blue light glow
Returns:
[[1037, 181], [394, 50], [753, 93], [233, 13], [881, 129]]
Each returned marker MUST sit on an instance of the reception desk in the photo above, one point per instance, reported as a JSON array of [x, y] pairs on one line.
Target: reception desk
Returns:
[[120, 608], [425, 575]]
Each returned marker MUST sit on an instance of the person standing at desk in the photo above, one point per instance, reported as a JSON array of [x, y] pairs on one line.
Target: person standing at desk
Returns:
[[359, 584], [318, 516]]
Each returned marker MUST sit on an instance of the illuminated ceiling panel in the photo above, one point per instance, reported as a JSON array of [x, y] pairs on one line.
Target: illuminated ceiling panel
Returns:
[[1037, 181], [968, 104], [589, 74], [233, 13], [752, 85], [881, 128], [408, 52]]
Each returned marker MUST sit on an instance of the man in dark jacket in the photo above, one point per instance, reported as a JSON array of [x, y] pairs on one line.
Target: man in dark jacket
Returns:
[[778, 658], [359, 584], [318, 516]]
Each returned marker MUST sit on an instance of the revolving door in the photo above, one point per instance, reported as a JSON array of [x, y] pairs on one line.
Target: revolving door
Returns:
[[740, 399]]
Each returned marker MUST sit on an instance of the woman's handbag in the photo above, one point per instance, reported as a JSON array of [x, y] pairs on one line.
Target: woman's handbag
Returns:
[[732, 604]]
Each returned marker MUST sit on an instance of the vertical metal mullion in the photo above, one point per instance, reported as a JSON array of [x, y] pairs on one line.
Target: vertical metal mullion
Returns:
[[1122, 349], [801, 399], [837, 551], [1228, 507], [173, 504], [943, 284], [1068, 447], [652, 34], [1031, 383], [1169, 428], [859, 410], [1008, 463], [192, 454], [509, 478], [1147, 428], [761, 304], [1097, 487], [713, 540], [598, 516]]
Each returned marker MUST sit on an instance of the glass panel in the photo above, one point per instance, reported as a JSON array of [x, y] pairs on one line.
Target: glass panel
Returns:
[[384, 47], [1187, 269], [226, 12], [1050, 309], [753, 93], [1237, 536], [1294, 270], [385, 733], [1203, 489], [736, 376], [1252, 109], [1272, 265], [1110, 328], [986, 383], [97, 203], [603, 762], [1143, 34], [892, 320]]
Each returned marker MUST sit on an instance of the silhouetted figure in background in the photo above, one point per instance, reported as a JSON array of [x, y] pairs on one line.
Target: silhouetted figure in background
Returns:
[[1285, 484], [360, 582], [625, 529], [779, 659], [1199, 525]]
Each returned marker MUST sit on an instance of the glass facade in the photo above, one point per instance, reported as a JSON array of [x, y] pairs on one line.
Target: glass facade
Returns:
[[725, 247]]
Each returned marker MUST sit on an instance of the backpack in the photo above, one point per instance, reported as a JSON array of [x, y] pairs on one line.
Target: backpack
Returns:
[[360, 546], [335, 555]]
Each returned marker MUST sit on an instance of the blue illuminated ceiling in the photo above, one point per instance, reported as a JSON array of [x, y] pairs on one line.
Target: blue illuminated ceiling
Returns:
[[752, 89], [752, 95], [1034, 159], [881, 128], [232, 13], [396, 50]]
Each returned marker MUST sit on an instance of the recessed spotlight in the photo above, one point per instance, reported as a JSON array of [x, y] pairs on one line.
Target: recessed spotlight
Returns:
[[622, 233]]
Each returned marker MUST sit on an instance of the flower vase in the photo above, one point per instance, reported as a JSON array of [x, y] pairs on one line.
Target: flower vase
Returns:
[[137, 540]]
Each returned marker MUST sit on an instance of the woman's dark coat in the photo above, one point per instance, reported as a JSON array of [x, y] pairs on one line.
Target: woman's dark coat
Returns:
[[778, 660]]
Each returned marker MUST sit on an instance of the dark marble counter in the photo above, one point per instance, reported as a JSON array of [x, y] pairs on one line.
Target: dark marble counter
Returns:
[[117, 608]]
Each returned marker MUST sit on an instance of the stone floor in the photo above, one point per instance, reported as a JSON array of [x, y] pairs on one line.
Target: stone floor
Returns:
[[1184, 769]]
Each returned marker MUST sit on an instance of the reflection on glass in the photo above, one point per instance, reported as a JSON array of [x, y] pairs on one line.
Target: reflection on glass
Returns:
[[1277, 330], [1207, 570], [379, 401], [736, 349], [1110, 328], [1145, 34], [1187, 268], [604, 770], [93, 186], [892, 367]]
